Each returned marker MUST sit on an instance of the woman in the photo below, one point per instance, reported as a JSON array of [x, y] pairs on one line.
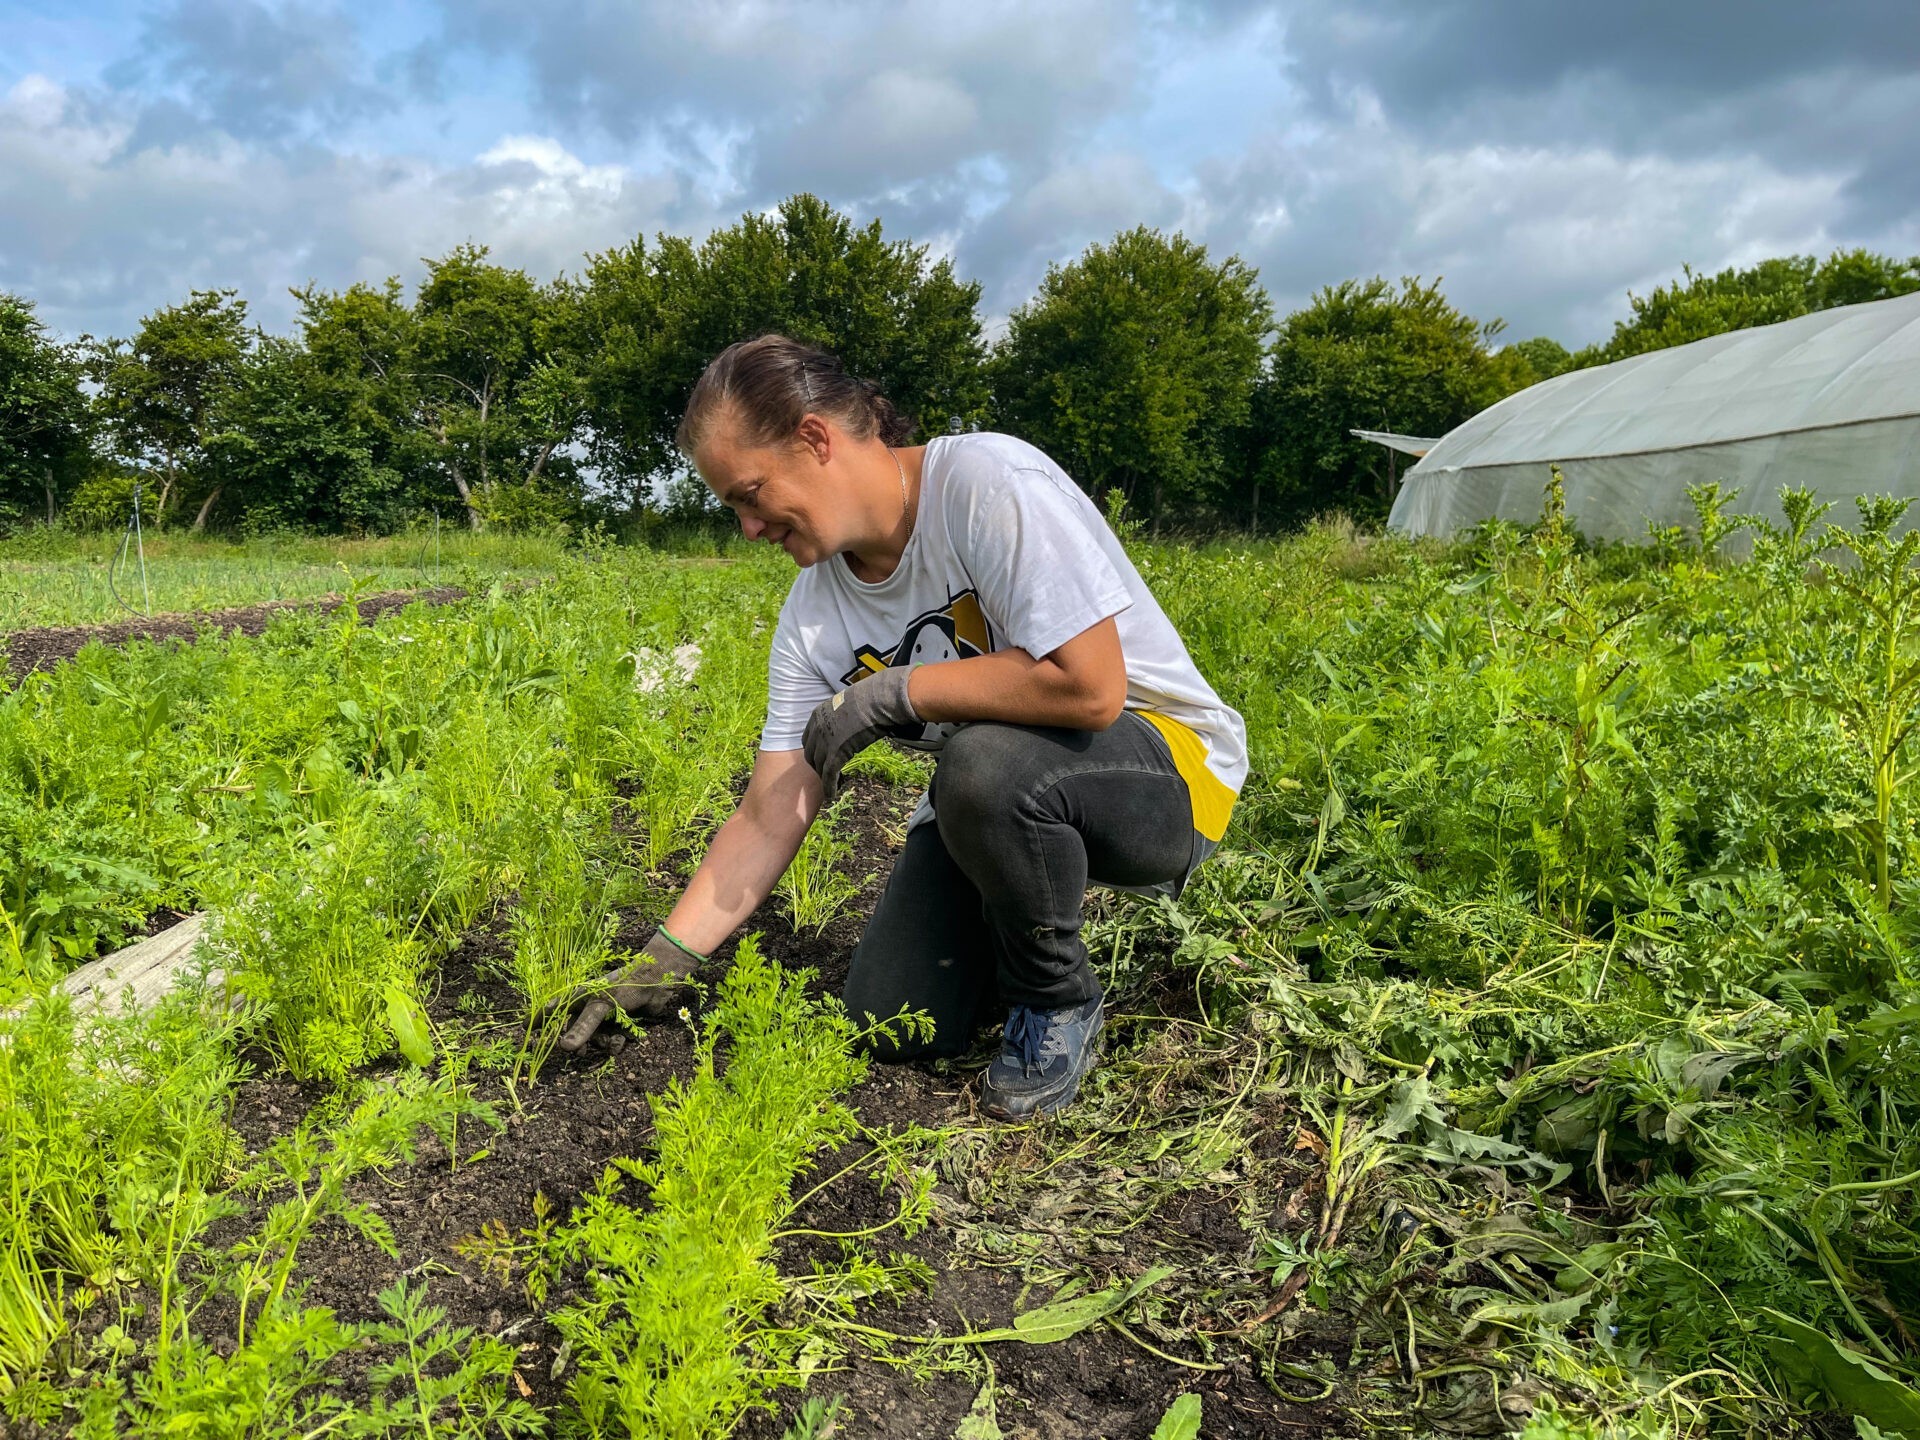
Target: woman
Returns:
[[963, 597]]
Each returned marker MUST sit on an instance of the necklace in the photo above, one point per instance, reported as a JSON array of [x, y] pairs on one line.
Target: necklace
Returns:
[[906, 503]]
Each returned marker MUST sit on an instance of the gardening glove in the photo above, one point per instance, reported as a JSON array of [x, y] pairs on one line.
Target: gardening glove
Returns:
[[845, 724], [652, 985]]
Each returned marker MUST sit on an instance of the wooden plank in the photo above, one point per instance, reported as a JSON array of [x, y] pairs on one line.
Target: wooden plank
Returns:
[[141, 973]]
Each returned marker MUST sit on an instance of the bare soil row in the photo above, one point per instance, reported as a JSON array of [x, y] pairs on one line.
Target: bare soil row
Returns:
[[44, 647]]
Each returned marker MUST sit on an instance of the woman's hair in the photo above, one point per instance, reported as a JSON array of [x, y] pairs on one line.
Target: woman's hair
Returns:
[[771, 383]]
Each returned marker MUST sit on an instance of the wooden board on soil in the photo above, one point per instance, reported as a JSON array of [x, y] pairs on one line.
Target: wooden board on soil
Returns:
[[135, 977]]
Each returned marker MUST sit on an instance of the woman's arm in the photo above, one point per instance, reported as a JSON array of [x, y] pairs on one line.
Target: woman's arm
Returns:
[[1082, 685], [751, 851]]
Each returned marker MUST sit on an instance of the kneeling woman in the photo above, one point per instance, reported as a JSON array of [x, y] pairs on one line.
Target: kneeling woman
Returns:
[[964, 597]]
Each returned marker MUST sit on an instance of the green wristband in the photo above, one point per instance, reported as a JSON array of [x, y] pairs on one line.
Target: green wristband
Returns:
[[682, 947]]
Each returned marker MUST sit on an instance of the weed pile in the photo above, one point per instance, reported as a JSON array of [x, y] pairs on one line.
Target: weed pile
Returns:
[[1574, 920]]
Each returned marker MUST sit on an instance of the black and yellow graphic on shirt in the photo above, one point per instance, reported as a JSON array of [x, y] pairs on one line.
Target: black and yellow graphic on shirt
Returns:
[[959, 630]]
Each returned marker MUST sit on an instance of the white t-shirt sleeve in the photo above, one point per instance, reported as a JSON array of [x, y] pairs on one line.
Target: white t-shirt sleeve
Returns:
[[794, 685], [1039, 570]]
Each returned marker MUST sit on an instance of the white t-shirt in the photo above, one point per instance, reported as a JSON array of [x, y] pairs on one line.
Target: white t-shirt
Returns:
[[1006, 552]]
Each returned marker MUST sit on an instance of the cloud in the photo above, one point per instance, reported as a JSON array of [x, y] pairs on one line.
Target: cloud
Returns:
[[255, 70], [1426, 57], [1830, 89], [1057, 216], [856, 100], [100, 230], [1543, 160], [1548, 238]]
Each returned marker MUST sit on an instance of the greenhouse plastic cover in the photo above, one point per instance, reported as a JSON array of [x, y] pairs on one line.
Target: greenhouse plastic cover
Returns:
[[1829, 401]]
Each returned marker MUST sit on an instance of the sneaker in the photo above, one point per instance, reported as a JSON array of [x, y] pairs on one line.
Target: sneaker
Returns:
[[1043, 1056]]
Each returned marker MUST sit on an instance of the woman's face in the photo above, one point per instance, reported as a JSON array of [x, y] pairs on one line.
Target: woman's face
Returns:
[[786, 495]]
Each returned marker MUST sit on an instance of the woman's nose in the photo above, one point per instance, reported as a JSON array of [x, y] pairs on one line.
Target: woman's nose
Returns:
[[751, 528]]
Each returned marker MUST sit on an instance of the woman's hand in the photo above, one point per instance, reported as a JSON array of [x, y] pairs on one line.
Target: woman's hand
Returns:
[[845, 723], [655, 984], [748, 855]]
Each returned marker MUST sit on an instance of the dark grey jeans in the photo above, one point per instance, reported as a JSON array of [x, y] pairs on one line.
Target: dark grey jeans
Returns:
[[983, 908]]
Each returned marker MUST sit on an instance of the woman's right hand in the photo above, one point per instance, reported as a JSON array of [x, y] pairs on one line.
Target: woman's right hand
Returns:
[[655, 985], [748, 855], [844, 724]]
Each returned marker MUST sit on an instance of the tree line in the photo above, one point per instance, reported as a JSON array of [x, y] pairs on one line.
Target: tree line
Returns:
[[1145, 366]]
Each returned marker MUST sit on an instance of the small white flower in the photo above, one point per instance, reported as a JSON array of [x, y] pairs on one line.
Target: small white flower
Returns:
[[686, 1015]]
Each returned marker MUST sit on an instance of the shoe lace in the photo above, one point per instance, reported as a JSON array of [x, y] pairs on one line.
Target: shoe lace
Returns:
[[1028, 1031]]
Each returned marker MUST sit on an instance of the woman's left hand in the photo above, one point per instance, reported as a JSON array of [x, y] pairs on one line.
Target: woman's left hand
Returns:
[[844, 724]]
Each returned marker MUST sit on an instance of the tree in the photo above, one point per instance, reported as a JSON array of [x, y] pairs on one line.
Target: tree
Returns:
[[1133, 365], [162, 391], [651, 319], [358, 345], [45, 423], [490, 390], [290, 449], [1543, 358], [1365, 355], [1699, 305]]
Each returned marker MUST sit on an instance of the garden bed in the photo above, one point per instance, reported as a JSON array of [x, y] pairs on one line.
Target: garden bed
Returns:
[[43, 647], [560, 1134]]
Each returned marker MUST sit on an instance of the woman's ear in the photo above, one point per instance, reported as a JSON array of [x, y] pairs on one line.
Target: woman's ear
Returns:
[[817, 435]]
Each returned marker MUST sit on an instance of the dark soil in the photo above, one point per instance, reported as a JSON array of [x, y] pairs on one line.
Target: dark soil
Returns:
[[586, 1110], [43, 648]]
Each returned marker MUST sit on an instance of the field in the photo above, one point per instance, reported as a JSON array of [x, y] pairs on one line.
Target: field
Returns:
[[62, 578], [1536, 1054]]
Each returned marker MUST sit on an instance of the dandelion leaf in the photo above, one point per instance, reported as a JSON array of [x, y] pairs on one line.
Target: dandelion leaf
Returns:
[[1851, 1381], [1182, 1420]]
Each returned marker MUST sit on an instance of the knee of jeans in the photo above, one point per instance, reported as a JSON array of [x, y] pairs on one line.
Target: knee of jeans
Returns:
[[978, 777]]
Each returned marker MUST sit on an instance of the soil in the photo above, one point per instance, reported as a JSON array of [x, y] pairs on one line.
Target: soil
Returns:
[[43, 648], [585, 1111]]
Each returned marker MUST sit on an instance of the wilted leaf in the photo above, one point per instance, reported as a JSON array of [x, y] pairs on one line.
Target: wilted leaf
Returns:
[[1063, 1318], [981, 1422], [1552, 1314], [1412, 1103]]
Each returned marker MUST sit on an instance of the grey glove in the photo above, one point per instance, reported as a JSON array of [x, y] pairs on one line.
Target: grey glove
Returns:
[[653, 985], [843, 725]]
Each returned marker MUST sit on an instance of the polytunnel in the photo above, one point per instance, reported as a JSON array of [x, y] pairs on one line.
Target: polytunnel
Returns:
[[1829, 401]]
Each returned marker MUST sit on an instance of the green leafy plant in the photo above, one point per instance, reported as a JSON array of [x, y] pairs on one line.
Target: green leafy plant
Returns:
[[670, 1341], [816, 887], [1873, 686]]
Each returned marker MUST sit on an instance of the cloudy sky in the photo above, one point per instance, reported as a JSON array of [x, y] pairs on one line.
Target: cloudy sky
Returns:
[[1544, 158]]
